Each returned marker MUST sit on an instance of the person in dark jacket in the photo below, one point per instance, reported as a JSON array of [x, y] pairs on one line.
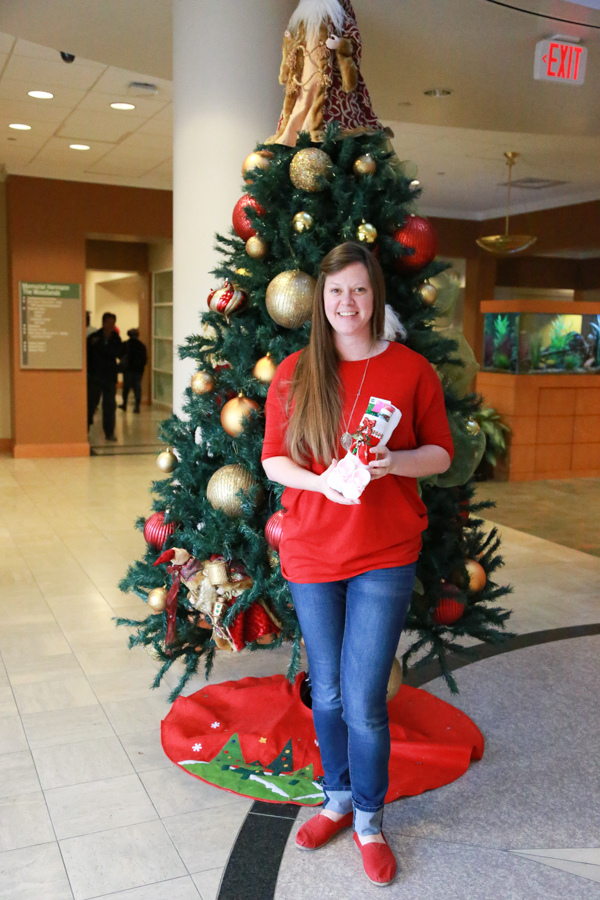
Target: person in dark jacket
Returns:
[[104, 348], [133, 363]]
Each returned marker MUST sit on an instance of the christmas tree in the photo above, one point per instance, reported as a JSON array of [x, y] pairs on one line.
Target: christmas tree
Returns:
[[223, 590]]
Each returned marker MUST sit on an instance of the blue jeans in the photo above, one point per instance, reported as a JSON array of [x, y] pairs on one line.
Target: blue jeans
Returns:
[[351, 629]]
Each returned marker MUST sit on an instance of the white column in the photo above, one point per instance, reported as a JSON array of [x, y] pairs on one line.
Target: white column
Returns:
[[226, 58]]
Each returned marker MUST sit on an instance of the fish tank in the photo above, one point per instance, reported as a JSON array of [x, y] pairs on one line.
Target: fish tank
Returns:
[[541, 342]]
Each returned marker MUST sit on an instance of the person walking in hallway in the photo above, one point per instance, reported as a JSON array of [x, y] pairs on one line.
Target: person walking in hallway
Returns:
[[350, 564], [133, 363], [104, 348]]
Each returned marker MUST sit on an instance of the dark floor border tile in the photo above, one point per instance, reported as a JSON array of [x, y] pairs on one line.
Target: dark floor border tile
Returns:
[[253, 866]]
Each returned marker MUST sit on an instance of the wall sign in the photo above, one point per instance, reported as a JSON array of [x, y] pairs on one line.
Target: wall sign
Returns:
[[51, 323], [560, 60]]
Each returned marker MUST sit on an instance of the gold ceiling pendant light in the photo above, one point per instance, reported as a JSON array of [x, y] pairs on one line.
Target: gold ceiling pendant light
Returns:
[[507, 244]]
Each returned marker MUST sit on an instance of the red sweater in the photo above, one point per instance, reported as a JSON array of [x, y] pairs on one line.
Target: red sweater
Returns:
[[325, 541]]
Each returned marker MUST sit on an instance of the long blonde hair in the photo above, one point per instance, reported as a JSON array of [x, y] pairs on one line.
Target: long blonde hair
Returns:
[[315, 402]]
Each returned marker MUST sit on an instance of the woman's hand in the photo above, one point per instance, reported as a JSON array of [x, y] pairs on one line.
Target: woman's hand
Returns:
[[332, 495], [382, 464]]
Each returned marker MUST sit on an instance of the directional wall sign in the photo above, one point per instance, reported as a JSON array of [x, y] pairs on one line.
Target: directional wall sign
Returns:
[[51, 325], [560, 60]]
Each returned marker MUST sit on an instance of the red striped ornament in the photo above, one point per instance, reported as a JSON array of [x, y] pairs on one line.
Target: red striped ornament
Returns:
[[447, 611], [226, 300], [274, 529], [156, 530]]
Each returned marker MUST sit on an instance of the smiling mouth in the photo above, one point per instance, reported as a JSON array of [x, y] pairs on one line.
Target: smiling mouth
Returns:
[[347, 314]]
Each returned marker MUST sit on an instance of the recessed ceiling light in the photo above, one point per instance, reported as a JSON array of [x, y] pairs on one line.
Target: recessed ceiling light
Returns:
[[122, 106], [437, 92], [41, 95], [19, 127], [79, 146], [441, 173]]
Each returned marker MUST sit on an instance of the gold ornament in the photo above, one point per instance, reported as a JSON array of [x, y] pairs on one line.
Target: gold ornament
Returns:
[[395, 680], [366, 233], [472, 426], [303, 221], [309, 168], [265, 369], [290, 298], [257, 247], [477, 576], [365, 165], [428, 293], [259, 159], [157, 600], [153, 653], [242, 272], [224, 486], [166, 461], [235, 412], [202, 383], [273, 557], [217, 572]]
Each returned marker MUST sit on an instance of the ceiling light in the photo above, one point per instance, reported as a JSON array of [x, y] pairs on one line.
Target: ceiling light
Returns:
[[122, 106], [79, 146], [507, 244], [41, 95], [437, 92], [18, 127], [404, 103]]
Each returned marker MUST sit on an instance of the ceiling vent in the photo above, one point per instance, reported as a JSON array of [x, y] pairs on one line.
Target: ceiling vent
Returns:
[[142, 88], [534, 184]]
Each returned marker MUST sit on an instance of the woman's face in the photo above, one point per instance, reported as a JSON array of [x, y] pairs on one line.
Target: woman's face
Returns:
[[348, 299]]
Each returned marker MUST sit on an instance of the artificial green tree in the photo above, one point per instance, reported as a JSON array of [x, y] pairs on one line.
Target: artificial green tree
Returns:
[[228, 348]]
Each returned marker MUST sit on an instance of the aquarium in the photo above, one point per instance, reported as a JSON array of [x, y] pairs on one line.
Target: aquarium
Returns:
[[541, 342]]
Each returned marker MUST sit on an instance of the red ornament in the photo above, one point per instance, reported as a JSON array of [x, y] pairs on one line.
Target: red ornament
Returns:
[[448, 611], [226, 300], [253, 624], [419, 235], [242, 225], [274, 528], [156, 530]]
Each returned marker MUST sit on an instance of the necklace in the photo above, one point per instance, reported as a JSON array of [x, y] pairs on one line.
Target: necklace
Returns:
[[347, 437]]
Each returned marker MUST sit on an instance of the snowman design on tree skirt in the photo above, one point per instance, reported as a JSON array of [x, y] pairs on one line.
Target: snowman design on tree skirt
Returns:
[[320, 70]]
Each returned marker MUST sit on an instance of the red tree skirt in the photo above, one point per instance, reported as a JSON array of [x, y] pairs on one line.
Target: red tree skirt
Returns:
[[256, 738]]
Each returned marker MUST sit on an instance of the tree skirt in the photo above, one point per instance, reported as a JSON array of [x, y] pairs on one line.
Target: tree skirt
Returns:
[[255, 737]]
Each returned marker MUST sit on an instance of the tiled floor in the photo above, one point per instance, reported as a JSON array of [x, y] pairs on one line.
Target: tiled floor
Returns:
[[89, 805], [567, 512]]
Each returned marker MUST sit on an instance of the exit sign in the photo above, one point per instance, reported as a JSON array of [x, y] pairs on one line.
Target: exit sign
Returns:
[[558, 60]]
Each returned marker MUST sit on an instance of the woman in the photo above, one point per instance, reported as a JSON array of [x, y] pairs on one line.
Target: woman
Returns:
[[351, 564]]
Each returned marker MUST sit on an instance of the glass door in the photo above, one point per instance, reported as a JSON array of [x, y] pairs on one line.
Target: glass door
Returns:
[[162, 338]]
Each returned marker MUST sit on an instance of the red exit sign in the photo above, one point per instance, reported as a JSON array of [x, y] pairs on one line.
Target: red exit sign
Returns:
[[559, 60]]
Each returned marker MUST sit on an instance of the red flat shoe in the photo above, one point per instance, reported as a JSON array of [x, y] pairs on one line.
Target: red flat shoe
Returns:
[[319, 830], [378, 861]]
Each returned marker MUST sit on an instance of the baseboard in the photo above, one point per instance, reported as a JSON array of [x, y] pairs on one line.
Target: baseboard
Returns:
[[42, 451]]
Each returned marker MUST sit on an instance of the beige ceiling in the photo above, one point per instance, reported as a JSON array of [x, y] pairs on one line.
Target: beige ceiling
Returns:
[[126, 147], [481, 50]]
